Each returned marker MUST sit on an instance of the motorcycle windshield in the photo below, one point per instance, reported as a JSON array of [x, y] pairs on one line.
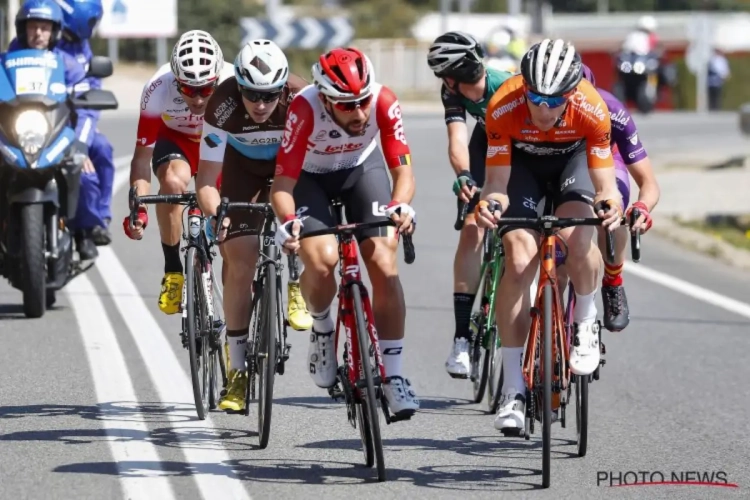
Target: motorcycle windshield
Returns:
[[33, 75]]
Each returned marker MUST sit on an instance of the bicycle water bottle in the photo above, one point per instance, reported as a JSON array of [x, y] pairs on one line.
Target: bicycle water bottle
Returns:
[[194, 222]]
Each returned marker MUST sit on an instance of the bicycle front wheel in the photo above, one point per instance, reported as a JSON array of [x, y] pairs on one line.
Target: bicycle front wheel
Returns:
[[266, 353], [547, 387], [197, 329], [369, 399]]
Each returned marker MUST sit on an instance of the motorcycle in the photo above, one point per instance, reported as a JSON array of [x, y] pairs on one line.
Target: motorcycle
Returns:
[[504, 62], [40, 170], [638, 80]]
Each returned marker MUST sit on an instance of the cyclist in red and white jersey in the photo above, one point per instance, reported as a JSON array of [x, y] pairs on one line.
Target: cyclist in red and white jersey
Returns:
[[169, 133], [329, 150]]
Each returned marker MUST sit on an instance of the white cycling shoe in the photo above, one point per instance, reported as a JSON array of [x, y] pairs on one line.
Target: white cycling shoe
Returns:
[[402, 400], [458, 364], [321, 356], [511, 417], [585, 352]]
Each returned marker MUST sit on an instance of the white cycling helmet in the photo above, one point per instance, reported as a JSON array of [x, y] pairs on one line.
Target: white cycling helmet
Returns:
[[261, 65], [648, 23], [552, 68], [197, 59]]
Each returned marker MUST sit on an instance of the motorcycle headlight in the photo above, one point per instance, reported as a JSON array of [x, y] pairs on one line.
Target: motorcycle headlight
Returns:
[[31, 131], [639, 67]]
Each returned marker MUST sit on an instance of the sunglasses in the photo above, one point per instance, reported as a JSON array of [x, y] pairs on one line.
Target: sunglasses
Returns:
[[545, 100], [188, 91], [350, 106], [255, 96]]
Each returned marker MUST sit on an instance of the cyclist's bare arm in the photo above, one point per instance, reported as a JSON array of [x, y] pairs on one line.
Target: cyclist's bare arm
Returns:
[[140, 170], [205, 186], [282, 200], [648, 187], [605, 184], [458, 146], [496, 185], [403, 184]]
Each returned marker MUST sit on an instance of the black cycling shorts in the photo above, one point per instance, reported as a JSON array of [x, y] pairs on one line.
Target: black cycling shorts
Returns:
[[165, 151], [477, 161], [567, 176], [364, 192]]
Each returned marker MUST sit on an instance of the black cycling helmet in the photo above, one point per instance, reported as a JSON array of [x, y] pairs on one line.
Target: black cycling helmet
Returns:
[[456, 55], [552, 68]]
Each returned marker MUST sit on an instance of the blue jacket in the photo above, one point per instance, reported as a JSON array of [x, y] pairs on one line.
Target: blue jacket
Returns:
[[75, 78]]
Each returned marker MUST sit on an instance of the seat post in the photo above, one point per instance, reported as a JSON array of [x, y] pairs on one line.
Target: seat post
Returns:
[[338, 210]]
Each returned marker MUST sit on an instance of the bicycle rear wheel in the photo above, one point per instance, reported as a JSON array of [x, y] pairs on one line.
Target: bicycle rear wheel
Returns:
[[197, 329], [547, 387], [496, 372], [266, 353], [369, 399], [582, 412], [480, 359]]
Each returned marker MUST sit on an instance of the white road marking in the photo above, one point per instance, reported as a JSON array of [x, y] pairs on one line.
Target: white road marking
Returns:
[[113, 384], [207, 456], [689, 289]]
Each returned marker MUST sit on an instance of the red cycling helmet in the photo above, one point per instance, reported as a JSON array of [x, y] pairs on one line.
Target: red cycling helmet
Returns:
[[343, 74]]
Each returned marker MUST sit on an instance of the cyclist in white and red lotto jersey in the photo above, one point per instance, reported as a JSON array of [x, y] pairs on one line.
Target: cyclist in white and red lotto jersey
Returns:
[[329, 150], [169, 134]]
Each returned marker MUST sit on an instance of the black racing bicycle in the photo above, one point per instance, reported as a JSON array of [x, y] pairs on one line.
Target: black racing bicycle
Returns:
[[268, 350], [201, 327]]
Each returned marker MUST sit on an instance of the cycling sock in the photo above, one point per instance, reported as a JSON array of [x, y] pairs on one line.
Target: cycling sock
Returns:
[[462, 303], [322, 321], [585, 307], [391, 351], [237, 340], [612, 275], [172, 262], [512, 372]]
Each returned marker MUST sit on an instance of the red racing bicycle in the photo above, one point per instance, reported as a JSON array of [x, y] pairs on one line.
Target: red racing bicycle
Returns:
[[360, 377]]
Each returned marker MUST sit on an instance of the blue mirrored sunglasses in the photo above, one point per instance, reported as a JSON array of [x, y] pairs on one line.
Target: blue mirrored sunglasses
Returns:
[[545, 100]]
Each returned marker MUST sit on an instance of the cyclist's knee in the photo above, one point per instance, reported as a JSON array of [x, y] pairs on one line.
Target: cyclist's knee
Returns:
[[381, 258], [241, 254], [319, 256], [471, 234], [173, 177], [520, 253]]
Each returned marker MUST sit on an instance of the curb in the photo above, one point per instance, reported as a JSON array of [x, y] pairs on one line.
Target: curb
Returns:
[[703, 243]]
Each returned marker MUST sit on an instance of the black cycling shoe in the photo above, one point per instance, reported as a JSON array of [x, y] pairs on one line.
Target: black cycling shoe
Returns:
[[616, 312], [101, 236]]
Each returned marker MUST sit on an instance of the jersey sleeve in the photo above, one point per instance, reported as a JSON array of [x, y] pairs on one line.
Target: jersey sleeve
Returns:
[[454, 108], [625, 135], [391, 126], [213, 143], [152, 105], [299, 126], [598, 139], [498, 127]]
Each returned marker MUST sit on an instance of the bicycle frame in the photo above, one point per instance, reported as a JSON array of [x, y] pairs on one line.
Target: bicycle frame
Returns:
[[493, 256], [351, 276]]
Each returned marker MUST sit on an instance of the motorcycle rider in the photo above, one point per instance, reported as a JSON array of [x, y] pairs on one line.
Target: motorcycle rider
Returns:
[[38, 26], [80, 18], [505, 49]]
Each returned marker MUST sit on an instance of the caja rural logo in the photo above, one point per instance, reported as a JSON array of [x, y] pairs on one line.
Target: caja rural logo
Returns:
[[664, 478]]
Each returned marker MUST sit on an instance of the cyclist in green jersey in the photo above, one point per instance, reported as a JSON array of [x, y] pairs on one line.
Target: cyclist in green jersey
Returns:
[[457, 59]]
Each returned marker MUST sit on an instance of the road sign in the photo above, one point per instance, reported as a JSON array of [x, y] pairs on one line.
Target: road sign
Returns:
[[138, 19], [301, 33]]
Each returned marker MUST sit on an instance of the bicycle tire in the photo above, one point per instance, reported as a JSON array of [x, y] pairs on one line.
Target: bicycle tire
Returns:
[[266, 361], [196, 312], [480, 357], [547, 386], [370, 399], [582, 412], [496, 373]]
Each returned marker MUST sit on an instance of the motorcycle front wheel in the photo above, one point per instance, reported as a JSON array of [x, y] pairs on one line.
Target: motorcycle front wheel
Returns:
[[33, 265]]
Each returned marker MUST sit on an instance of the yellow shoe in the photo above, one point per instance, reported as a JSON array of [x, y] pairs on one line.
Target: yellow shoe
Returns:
[[234, 399], [171, 293], [299, 318]]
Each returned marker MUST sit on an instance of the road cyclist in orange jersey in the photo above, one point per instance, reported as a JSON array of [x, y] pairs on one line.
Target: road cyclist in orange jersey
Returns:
[[547, 127]]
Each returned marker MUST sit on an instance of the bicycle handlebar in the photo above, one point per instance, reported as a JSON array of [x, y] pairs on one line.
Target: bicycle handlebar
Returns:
[[171, 199], [350, 229]]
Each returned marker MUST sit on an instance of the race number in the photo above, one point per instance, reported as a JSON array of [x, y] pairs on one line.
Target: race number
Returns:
[[31, 81]]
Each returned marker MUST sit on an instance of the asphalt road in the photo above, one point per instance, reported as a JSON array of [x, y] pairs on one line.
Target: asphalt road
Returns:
[[95, 398]]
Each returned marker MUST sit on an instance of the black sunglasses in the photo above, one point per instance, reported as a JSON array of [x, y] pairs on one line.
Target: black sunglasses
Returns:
[[255, 96]]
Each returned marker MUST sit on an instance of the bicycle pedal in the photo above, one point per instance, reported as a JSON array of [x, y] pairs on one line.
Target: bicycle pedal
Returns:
[[404, 415], [511, 432], [458, 376]]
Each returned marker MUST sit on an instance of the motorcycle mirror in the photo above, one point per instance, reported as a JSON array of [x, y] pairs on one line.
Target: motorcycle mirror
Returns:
[[96, 99], [100, 67]]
